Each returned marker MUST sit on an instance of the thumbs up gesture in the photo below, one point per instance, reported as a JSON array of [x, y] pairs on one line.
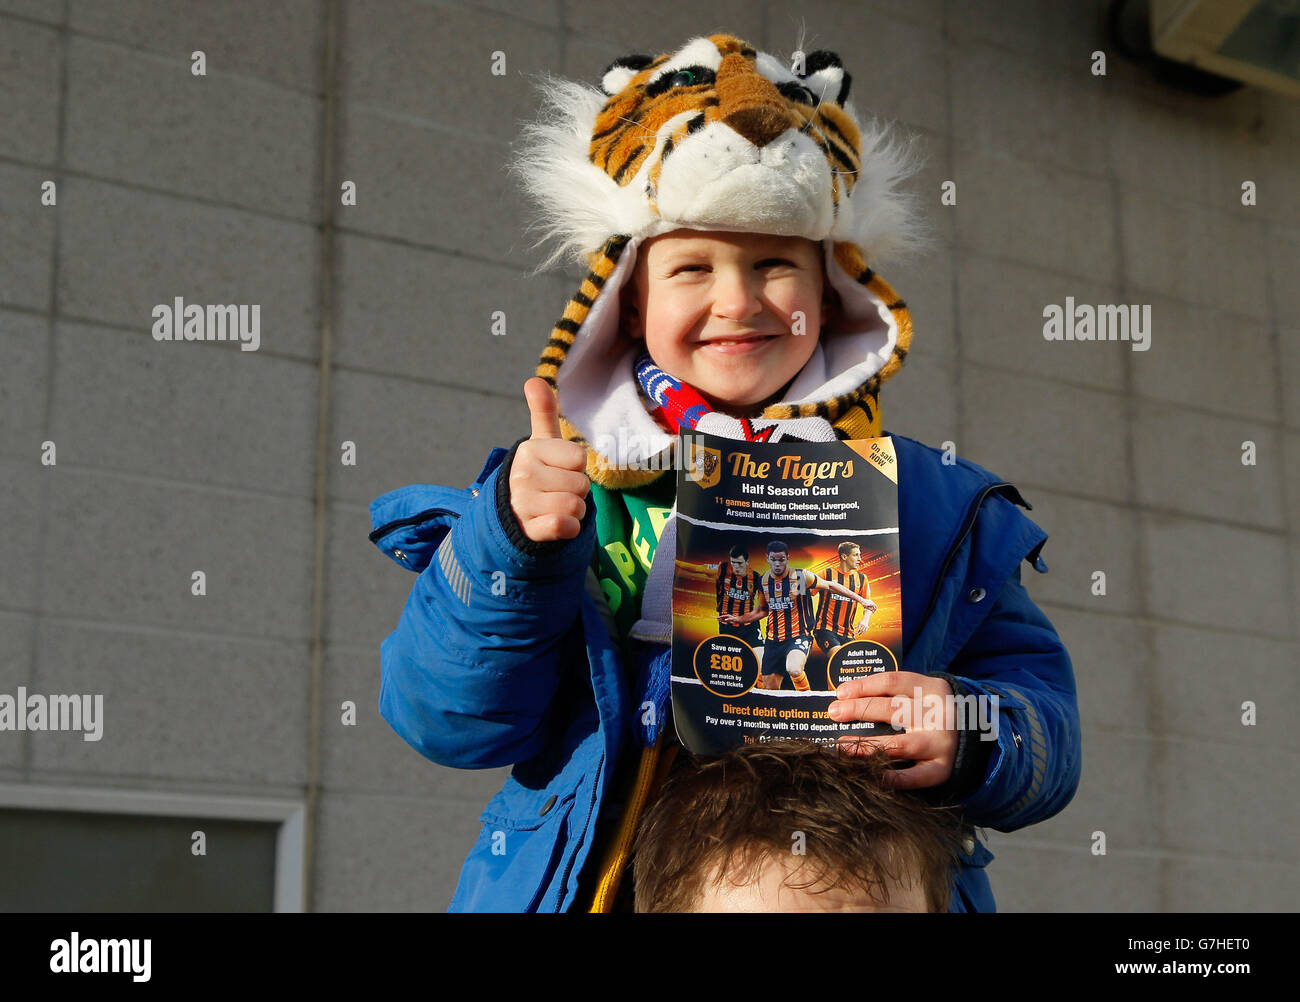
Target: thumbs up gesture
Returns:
[[548, 479]]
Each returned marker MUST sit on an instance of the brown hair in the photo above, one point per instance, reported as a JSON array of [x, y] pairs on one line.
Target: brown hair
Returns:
[[729, 816]]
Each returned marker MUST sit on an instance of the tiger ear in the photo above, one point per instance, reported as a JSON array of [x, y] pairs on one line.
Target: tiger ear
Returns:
[[621, 70], [825, 76]]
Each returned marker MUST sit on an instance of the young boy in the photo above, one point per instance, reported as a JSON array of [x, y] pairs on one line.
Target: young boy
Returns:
[[789, 826], [726, 206]]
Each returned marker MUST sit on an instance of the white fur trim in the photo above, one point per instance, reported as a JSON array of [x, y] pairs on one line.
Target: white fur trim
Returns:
[[616, 78], [697, 52], [774, 69], [717, 179]]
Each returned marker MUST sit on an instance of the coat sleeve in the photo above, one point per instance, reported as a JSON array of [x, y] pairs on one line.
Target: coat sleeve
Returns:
[[1032, 770], [471, 670]]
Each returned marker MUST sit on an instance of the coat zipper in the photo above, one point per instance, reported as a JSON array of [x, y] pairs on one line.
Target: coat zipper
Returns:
[[568, 867], [398, 523]]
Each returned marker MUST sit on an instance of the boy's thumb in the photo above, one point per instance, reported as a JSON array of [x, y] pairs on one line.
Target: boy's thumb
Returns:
[[542, 409]]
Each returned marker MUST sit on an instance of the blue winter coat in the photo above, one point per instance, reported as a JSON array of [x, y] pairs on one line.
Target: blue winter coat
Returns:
[[503, 659]]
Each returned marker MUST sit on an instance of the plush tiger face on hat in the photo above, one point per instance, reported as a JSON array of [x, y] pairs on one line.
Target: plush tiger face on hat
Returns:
[[714, 136]]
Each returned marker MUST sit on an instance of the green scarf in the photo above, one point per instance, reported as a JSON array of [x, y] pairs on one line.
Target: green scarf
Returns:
[[628, 525]]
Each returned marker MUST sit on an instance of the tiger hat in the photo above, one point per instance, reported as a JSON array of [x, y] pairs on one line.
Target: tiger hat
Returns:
[[714, 136]]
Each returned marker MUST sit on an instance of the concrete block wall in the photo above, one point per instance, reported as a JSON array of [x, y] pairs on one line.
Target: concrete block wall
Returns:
[[376, 329]]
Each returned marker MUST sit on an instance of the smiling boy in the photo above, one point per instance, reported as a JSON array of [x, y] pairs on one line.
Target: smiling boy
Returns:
[[735, 315], [726, 206]]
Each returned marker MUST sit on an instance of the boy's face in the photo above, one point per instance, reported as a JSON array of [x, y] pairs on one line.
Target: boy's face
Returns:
[[720, 311]]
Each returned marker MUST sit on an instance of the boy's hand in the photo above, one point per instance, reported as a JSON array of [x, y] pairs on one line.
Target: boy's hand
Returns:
[[878, 697], [548, 479]]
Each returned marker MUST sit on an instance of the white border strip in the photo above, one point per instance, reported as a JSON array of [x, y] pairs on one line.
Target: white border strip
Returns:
[[768, 529], [766, 692], [288, 892]]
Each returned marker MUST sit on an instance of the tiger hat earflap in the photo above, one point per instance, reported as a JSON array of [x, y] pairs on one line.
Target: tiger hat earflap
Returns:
[[714, 136]]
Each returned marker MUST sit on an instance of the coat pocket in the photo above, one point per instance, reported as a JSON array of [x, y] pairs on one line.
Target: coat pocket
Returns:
[[410, 523], [520, 808], [524, 848]]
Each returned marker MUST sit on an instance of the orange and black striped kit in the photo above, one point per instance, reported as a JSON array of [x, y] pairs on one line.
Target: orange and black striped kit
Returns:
[[790, 606], [736, 592], [837, 613]]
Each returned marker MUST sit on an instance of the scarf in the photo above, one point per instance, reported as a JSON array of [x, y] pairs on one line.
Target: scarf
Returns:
[[681, 407]]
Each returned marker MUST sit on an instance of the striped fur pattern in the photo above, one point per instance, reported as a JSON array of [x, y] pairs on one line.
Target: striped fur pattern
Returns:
[[628, 125]]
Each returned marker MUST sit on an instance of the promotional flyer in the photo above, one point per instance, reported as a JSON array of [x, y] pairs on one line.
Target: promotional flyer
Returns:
[[786, 585]]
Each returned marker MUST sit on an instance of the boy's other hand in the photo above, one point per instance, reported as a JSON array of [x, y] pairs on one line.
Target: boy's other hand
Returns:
[[548, 479], [878, 697]]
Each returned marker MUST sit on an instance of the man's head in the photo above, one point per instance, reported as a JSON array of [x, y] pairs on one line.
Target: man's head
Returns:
[[792, 826], [735, 315], [778, 556], [850, 555], [739, 559]]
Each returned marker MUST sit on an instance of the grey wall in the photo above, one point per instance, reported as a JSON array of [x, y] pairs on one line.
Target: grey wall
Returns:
[[375, 329]]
